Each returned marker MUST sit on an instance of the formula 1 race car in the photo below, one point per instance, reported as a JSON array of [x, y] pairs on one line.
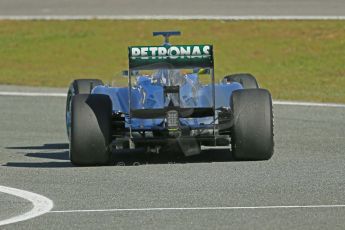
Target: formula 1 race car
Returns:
[[171, 100]]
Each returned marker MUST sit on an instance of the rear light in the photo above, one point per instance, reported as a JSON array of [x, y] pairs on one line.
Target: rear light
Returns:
[[172, 119]]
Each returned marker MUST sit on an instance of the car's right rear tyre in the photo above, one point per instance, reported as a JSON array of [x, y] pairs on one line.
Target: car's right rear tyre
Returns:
[[252, 129], [91, 129], [247, 80]]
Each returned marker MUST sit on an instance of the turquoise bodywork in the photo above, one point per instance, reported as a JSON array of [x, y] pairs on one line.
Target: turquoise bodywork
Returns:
[[148, 94]]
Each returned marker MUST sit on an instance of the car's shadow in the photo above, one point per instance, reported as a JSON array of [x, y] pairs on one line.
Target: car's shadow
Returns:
[[42, 147], [53, 151], [176, 157], [60, 153]]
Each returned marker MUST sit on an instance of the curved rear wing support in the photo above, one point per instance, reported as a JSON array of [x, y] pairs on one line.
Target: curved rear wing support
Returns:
[[166, 35]]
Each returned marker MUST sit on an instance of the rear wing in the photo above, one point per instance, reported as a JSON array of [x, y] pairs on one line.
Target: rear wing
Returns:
[[170, 56]]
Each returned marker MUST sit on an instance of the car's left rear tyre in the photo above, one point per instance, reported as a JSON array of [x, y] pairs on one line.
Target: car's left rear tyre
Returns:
[[91, 132], [78, 86]]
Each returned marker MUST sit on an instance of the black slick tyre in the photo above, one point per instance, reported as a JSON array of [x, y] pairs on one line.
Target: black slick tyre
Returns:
[[247, 80], [79, 86], [252, 129], [84, 86], [90, 129]]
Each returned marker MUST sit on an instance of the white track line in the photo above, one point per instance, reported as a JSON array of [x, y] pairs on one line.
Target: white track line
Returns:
[[293, 103], [309, 104], [41, 204], [201, 208], [33, 94], [168, 17]]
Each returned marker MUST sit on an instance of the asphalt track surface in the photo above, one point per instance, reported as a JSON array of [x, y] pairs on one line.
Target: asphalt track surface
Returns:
[[175, 7], [306, 169]]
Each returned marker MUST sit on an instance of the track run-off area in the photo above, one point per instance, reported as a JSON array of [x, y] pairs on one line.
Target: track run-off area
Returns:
[[184, 9]]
